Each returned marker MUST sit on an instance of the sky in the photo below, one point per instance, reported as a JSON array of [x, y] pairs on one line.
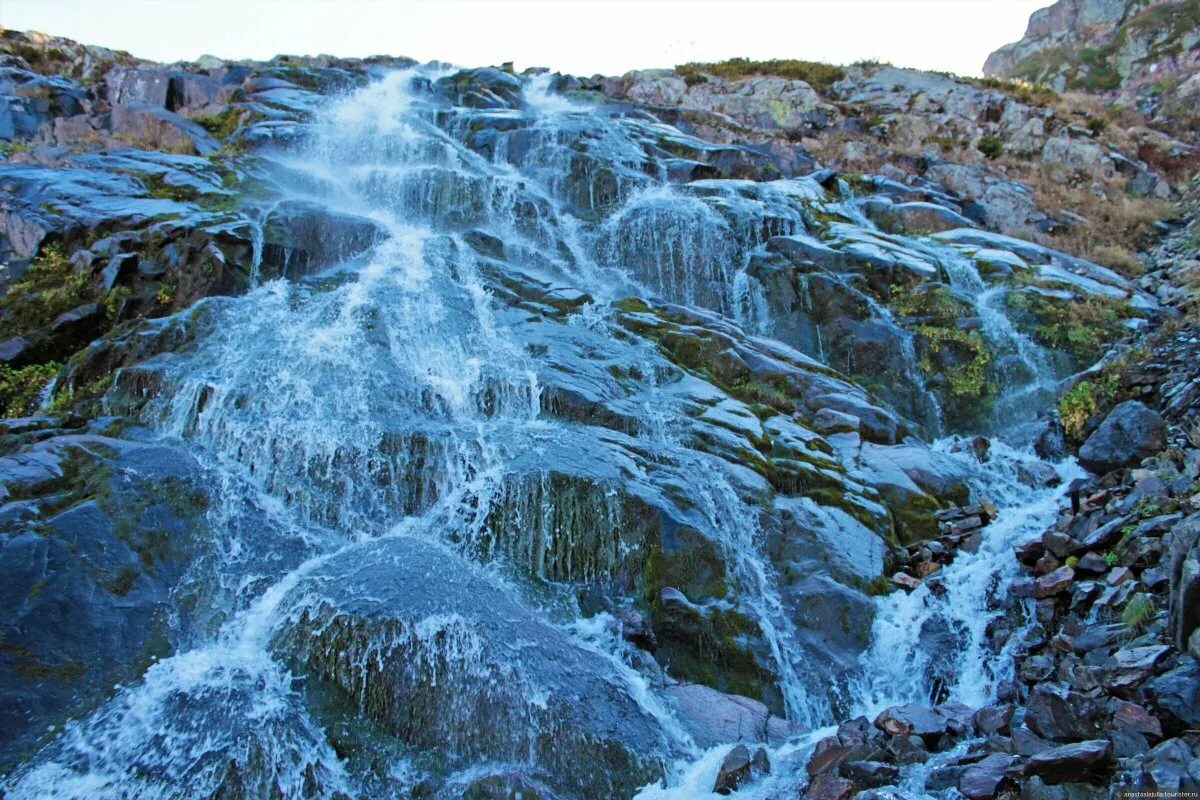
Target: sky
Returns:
[[583, 37]]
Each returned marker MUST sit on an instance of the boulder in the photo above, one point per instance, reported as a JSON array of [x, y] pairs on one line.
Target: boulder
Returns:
[[735, 770], [1130, 666], [1177, 693], [870, 774], [155, 128], [1057, 713], [1171, 767], [1071, 762], [983, 779], [912, 719], [713, 718], [1130, 433], [829, 787], [450, 669]]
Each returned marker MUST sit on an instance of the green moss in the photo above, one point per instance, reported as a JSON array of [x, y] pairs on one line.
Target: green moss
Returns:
[[816, 74], [222, 124], [50, 286], [1085, 400], [1081, 327], [960, 356], [20, 388]]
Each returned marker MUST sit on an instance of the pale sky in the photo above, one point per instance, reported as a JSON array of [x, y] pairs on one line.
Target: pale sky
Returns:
[[578, 36]]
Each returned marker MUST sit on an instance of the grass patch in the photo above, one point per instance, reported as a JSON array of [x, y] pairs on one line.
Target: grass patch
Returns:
[[816, 74], [20, 388]]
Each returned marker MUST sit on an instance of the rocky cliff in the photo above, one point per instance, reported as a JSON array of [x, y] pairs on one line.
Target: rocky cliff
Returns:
[[377, 429], [1145, 51]]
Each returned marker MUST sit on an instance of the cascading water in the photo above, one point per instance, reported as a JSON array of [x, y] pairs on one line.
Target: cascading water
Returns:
[[394, 504]]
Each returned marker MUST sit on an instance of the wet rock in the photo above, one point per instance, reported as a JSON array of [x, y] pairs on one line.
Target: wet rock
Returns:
[[377, 598], [712, 717], [829, 787], [911, 719], [636, 629], [1071, 762], [984, 779], [735, 769], [946, 776], [994, 719], [1130, 433], [869, 774]]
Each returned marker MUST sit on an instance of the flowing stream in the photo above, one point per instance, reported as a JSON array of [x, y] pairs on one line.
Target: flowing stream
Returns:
[[385, 421]]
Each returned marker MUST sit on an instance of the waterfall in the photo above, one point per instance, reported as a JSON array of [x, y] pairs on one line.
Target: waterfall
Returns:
[[442, 468]]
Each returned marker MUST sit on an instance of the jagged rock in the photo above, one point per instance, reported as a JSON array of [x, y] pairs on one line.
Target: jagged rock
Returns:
[[1129, 433], [1177, 692], [1132, 717], [1057, 713], [1130, 666], [983, 779], [994, 719], [158, 129], [1171, 767], [1071, 761]]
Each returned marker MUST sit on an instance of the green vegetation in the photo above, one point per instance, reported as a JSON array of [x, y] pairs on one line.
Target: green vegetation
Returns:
[[990, 146], [19, 388], [50, 286], [960, 356], [1081, 327], [816, 74], [1138, 612], [1084, 401]]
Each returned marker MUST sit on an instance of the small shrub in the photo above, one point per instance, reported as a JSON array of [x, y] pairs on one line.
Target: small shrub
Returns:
[[1081, 403], [1138, 612], [990, 146]]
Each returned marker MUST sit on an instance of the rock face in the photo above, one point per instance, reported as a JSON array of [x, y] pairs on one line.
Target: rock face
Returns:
[[1128, 434], [1145, 50]]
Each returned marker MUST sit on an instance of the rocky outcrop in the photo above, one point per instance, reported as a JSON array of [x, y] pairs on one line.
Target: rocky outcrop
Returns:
[[1145, 51]]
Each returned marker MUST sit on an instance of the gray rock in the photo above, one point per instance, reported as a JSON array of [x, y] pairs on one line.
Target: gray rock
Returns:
[[1183, 563], [1177, 693], [713, 718], [1130, 433], [912, 719], [734, 771]]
